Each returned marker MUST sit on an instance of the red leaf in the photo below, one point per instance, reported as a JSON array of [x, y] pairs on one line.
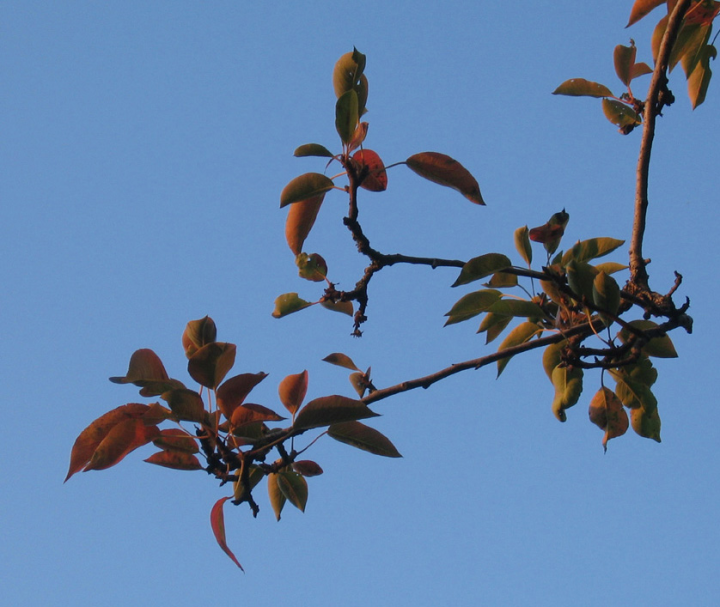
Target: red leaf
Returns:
[[546, 233], [217, 521], [249, 413], [376, 179], [292, 391], [123, 438], [209, 365], [144, 365], [446, 171], [307, 467], [234, 391], [177, 460], [176, 439], [300, 220]]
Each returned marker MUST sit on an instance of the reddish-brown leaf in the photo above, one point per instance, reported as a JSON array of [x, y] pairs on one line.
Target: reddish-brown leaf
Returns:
[[376, 179], [233, 392], [89, 439], [292, 391], [177, 460], [307, 467], [250, 413], [702, 13], [123, 438], [186, 405], [446, 171], [328, 410], [144, 365], [198, 333], [209, 365], [300, 220], [217, 521], [177, 440], [546, 233], [642, 8]]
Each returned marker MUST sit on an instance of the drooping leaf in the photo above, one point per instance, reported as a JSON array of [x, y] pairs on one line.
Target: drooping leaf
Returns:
[[516, 307], [197, 334], [232, 393], [480, 267], [620, 114], [659, 347], [211, 363], [347, 116], [292, 391], [363, 437], [552, 357], [328, 410], [91, 437], [300, 220], [176, 439], [633, 393], [376, 178], [446, 171], [124, 437], [579, 87], [186, 405], [641, 8], [568, 387], [277, 498], [471, 305], [313, 149], [311, 266], [249, 413], [689, 37], [217, 522], [524, 332], [176, 460], [646, 424], [606, 411], [307, 467], [624, 59], [304, 187], [294, 487], [494, 325], [522, 244], [593, 248], [344, 307], [288, 303], [699, 79], [341, 360]]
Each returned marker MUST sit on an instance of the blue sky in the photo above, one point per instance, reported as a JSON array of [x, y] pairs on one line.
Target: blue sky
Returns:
[[144, 147]]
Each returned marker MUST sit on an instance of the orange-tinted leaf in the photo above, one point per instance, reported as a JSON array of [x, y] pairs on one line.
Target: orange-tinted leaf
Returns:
[[217, 522], [294, 487], [313, 149], [341, 360], [344, 307], [446, 171], [91, 437], [348, 71], [699, 79], [277, 498], [186, 405], [363, 437], [287, 303], [579, 87], [606, 412], [642, 8], [307, 467], [292, 391], [300, 220], [210, 364], [624, 58], [147, 371], [328, 410], [177, 460], [376, 179], [250, 413], [197, 334], [358, 136], [233, 392], [156, 414], [657, 36], [177, 440], [305, 187], [640, 69], [123, 438], [702, 13]]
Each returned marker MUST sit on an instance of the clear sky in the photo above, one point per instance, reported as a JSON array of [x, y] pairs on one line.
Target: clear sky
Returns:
[[143, 148]]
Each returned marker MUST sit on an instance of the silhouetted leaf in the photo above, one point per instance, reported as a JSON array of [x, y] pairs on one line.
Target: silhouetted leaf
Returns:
[[471, 305], [232, 393], [305, 187], [480, 267], [347, 115], [446, 171], [249, 413], [289, 303], [292, 391], [579, 87], [186, 405], [363, 437], [524, 332], [300, 220], [197, 334], [176, 460], [551, 233], [522, 244], [341, 360], [606, 411], [294, 487], [376, 179], [217, 522], [328, 410], [313, 149], [642, 8], [211, 363]]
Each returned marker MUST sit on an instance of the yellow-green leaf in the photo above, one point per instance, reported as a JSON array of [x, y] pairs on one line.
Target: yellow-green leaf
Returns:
[[347, 115], [288, 303], [304, 187], [494, 325], [568, 387], [344, 307], [294, 487], [471, 305], [646, 424], [524, 332], [517, 307], [592, 248], [522, 244], [313, 149], [480, 267], [659, 347], [277, 497]]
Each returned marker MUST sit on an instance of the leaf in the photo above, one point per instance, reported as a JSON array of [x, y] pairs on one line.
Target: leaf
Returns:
[[568, 387], [620, 114], [624, 59], [124, 437], [610, 267], [480, 267], [699, 80], [502, 280], [376, 178], [591, 249], [642, 8], [232, 393], [363, 437], [524, 332], [176, 460], [211, 363], [288, 303], [197, 334], [292, 391], [217, 522], [634, 393], [494, 325], [294, 487], [304, 187], [251, 413], [328, 410], [551, 233], [657, 36], [147, 371], [359, 382], [580, 277], [606, 295], [552, 357], [307, 467], [640, 69], [347, 115], [91, 437], [522, 244], [358, 137], [277, 498], [446, 171], [300, 220], [344, 307], [517, 307], [606, 411], [186, 405], [341, 360], [579, 87], [347, 72], [311, 267], [646, 424], [313, 149], [659, 347], [176, 439], [471, 305]]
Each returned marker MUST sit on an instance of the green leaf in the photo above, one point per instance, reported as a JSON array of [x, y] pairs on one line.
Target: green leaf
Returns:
[[552, 357], [304, 187], [522, 244], [659, 347], [288, 303], [620, 114], [494, 324], [480, 267], [471, 305], [610, 267], [217, 522], [294, 487], [341, 360], [517, 307], [311, 266], [634, 393], [313, 149], [606, 295], [646, 424], [348, 72], [328, 410], [446, 171], [524, 332], [363, 437], [624, 58], [580, 277], [347, 115], [211, 363], [591, 249], [579, 87], [568, 387], [300, 220], [502, 280]]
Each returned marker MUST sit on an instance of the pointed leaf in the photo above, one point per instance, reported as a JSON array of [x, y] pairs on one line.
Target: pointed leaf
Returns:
[[699, 79], [606, 295], [176, 460], [344, 307], [640, 69], [292, 391], [480, 267], [446, 171], [328, 410], [568, 387], [288, 303], [634, 393], [232, 393], [347, 115], [294, 487], [175, 439], [642, 8], [211, 363], [494, 325], [620, 114], [471, 305], [348, 72], [300, 220], [250, 413], [552, 357], [524, 332], [304, 187], [358, 136], [579, 87], [144, 366], [659, 347], [376, 178], [517, 307], [197, 334], [186, 405], [341, 360], [646, 424], [624, 58], [123, 438], [307, 467], [277, 498], [217, 522], [502, 280], [610, 267], [606, 411], [591, 249], [522, 244], [313, 149], [363, 437]]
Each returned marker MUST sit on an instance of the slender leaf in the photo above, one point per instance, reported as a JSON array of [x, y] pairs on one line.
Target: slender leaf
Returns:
[[522, 244], [288, 303], [641, 8], [300, 220], [217, 522], [347, 115], [175, 460], [446, 171], [341, 360], [471, 305]]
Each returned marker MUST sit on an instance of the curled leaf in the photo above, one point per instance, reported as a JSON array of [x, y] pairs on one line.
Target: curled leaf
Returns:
[[606, 411], [197, 334], [217, 522]]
